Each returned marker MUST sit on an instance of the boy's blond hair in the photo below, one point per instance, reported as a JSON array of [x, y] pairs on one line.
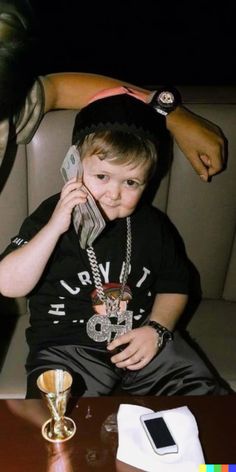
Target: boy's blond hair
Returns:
[[121, 148]]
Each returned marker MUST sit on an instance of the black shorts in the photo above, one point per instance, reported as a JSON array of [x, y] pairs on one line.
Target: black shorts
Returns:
[[176, 370]]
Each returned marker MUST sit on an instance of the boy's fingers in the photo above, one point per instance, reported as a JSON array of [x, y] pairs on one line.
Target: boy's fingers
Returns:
[[71, 181], [123, 339], [79, 179]]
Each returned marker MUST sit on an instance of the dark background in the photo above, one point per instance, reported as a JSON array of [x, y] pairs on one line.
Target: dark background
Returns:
[[144, 42]]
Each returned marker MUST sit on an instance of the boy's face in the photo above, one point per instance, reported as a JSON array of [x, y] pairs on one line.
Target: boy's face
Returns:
[[116, 188]]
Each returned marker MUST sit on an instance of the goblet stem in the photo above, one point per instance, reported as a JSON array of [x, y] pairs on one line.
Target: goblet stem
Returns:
[[55, 389], [59, 431]]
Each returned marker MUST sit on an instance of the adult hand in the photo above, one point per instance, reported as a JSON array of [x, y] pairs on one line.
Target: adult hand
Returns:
[[142, 347], [201, 141]]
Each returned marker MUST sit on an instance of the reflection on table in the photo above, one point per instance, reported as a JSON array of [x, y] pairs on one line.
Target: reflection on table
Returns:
[[94, 445]]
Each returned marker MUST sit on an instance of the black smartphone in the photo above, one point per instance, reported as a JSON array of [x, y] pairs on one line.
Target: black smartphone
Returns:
[[159, 433]]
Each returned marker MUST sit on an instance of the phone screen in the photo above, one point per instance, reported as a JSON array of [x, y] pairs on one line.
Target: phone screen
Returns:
[[159, 432]]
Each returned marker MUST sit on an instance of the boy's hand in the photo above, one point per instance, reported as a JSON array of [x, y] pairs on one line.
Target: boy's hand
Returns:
[[142, 347], [72, 194]]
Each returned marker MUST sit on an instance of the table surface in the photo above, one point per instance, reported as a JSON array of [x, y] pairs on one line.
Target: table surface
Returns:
[[92, 447]]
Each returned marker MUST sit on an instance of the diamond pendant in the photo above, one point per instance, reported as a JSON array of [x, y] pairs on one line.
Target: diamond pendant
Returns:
[[112, 306], [100, 328]]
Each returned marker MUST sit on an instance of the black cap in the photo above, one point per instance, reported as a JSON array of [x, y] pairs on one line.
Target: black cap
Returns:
[[120, 112]]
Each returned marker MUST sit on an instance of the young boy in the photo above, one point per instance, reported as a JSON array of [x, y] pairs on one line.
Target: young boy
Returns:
[[107, 313]]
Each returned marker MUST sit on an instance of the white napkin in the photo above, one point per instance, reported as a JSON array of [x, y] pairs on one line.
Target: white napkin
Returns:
[[135, 449]]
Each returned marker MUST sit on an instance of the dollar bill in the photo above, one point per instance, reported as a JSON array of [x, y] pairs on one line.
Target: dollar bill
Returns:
[[87, 219]]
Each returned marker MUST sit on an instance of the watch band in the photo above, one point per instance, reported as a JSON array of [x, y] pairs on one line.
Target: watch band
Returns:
[[165, 100], [164, 334]]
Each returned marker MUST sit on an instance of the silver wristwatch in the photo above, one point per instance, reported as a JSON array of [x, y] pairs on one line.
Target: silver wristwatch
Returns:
[[165, 100], [164, 334]]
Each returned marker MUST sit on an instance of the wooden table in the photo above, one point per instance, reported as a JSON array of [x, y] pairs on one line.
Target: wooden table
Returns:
[[23, 449]]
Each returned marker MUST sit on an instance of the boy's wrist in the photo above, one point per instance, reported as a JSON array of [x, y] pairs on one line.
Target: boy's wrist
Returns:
[[53, 230], [164, 334]]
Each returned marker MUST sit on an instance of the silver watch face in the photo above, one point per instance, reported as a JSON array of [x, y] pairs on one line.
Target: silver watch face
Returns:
[[166, 98]]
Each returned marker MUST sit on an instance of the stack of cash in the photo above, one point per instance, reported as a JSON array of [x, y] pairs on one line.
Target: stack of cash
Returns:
[[87, 219]]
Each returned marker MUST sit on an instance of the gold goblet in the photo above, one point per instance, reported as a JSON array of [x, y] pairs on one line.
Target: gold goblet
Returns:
[[55, 386]]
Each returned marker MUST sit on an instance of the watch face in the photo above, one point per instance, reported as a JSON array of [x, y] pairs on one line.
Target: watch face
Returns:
[[166, 99]]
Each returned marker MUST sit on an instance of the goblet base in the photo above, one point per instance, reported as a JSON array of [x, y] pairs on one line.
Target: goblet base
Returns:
[[65, 433]]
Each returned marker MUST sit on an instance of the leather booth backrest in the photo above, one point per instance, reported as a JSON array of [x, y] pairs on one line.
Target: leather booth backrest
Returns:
[[203, 213]]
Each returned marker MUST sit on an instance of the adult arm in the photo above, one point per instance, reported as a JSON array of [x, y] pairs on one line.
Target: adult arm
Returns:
[[143, 341], [201, 142], [74, 90]]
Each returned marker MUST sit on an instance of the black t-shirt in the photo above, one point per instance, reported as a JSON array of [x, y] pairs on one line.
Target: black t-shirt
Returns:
[[61, 304]]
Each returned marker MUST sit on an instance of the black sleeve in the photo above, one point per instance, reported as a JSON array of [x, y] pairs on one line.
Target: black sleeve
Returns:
[[32, 225], [173, 271]]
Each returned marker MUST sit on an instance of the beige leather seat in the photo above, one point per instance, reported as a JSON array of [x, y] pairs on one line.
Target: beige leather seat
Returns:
[[203, 213]]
